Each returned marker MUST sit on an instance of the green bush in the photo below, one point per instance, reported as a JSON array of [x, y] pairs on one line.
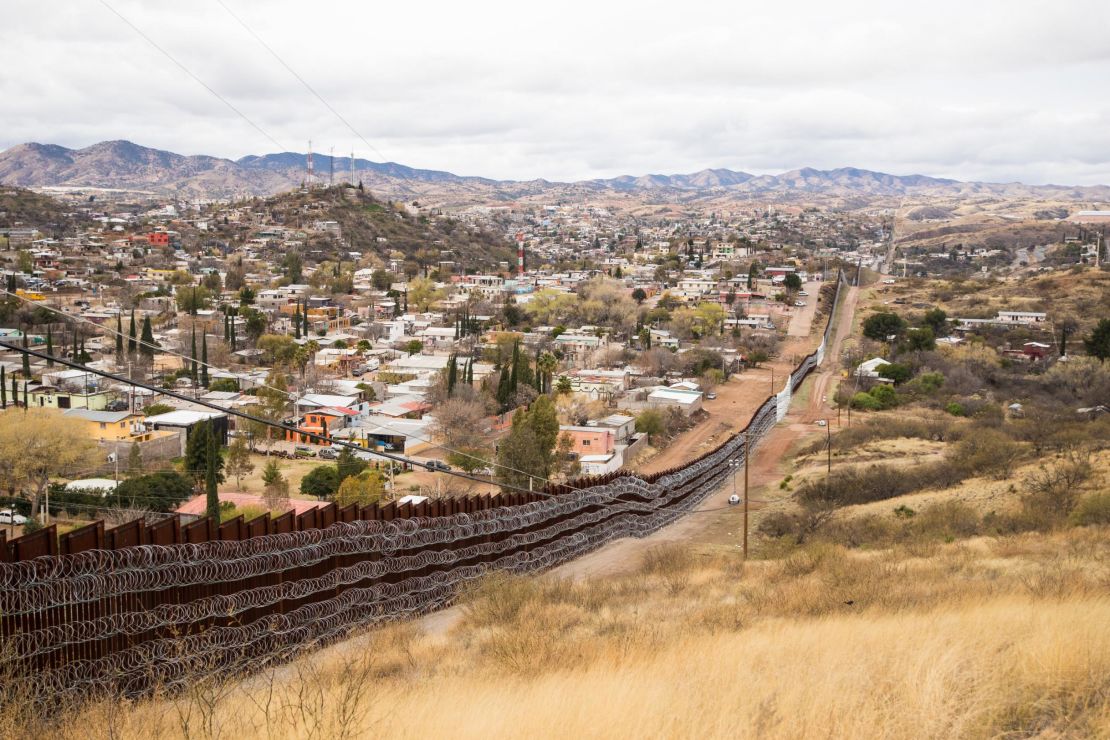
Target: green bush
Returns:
[[955, 409], [866, 402], [322, 481], [161, 491], [930, 382], [896, 371], [885, 395]]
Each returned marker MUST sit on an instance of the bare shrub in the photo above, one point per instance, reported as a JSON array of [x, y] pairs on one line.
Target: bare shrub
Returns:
[[987, 451], [1055, 489]]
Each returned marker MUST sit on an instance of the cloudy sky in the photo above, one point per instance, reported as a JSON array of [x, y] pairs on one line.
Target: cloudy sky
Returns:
[[570, 90]]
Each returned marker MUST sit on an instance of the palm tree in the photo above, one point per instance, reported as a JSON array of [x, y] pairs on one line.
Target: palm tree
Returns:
[[546, 364]]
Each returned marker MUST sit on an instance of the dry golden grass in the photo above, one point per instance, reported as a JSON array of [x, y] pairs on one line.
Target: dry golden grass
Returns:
[[985, 638]]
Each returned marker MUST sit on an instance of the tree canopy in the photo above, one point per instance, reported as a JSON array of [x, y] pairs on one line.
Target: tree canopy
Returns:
[[883, 325]]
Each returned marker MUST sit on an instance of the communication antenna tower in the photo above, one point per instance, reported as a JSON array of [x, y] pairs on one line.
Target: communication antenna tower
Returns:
[[311, 175]]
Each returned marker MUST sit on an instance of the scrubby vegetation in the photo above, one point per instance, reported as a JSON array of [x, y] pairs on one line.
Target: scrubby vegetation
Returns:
[[984, 638]]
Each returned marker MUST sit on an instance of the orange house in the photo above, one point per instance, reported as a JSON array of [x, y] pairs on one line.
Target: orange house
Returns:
[[591, 440], [318, 421]]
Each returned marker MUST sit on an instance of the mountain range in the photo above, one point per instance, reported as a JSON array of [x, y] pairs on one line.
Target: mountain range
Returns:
[[129, 166]]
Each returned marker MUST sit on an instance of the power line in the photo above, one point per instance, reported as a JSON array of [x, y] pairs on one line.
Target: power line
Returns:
[[300, 79], [234, 412], [189, 72], [200, 363]]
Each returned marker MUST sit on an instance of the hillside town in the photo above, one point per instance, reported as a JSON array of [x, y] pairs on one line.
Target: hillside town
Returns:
[[410, 332]]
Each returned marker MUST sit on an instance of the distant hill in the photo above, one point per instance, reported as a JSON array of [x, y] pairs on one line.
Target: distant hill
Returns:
[[368, 224], [125, 165], [20, 207]]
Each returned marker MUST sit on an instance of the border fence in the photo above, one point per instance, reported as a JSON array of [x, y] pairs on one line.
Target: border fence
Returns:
[[143, 607]]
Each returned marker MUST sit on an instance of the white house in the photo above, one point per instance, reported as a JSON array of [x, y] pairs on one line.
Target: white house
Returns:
[[870, 368], [688, 401]]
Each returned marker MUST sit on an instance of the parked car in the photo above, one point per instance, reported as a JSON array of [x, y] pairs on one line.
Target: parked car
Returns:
[[328, 453], [302, 451], [799, 304], [358, 371], [439, 465], [711, 395], [7, 516], [802, 292], [821, 422]]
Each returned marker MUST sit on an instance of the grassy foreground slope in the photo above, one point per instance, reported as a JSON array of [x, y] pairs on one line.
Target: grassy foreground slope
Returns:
[[981, 638]]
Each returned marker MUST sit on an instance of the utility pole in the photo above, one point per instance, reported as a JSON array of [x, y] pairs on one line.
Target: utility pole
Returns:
[[747, 461], [828, 443]]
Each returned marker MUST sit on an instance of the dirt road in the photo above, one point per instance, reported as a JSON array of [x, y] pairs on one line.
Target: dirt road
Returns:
[[715, 521], [738, 399]]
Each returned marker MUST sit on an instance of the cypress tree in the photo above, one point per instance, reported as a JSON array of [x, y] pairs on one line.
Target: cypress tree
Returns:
[[297, 321], [193, 355], [204, 359], [212, 496], [119, 334], [514, 374], [324, 427], [15, 392], [131, 334], [3, 389], [49, 346], [452, 375], [26, 358], [147, 338], [470, 371], [85, 359], [504, 392]]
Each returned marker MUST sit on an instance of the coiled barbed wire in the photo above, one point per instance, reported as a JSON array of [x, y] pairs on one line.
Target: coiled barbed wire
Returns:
[[56, 612]]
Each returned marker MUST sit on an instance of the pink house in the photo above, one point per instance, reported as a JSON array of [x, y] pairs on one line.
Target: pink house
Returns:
[[591, 440]]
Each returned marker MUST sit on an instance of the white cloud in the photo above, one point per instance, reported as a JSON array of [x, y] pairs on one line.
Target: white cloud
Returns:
[[987, 90]]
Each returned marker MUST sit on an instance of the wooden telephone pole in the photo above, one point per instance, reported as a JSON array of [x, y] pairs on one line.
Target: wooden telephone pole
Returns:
[[747, 460]]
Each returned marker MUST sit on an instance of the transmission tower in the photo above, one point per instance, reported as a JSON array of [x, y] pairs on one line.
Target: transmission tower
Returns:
[[310, 176]]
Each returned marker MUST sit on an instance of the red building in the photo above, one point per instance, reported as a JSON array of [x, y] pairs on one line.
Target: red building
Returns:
[[319, 421], [158, 239]]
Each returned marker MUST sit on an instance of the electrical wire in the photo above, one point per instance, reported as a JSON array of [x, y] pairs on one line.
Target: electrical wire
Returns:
[[131, 620], [239, 414], [189, 72], [300, 79], [699, 467], [758, 426], [492, 464]]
